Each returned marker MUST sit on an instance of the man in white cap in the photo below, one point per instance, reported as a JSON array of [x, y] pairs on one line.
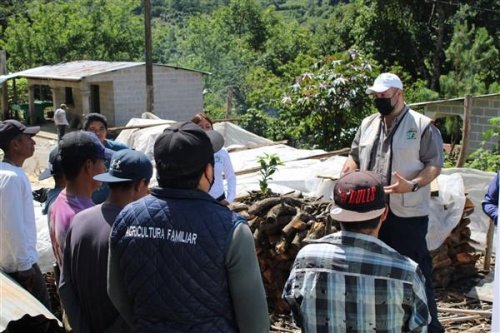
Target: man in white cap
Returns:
[[18, 255], [407, 150]]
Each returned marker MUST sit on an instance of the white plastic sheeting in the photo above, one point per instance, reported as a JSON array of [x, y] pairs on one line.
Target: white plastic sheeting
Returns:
[[313, 177]]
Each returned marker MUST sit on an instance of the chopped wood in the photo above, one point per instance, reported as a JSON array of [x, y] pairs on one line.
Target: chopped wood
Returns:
[[484, 313], [283, 224], [458, 319]]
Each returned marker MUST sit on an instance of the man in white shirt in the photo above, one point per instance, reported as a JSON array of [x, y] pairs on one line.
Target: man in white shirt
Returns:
[[18, 255], [61, 121]]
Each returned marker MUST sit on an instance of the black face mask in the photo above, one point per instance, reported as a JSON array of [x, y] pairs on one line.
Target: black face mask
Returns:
[[384, 105]]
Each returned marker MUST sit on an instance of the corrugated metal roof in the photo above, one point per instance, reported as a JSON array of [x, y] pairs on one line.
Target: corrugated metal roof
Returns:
[[75, 70], [78, 70], [16, 302]]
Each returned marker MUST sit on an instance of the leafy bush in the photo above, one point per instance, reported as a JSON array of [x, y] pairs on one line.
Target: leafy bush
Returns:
[[326, 105], [487, 159]]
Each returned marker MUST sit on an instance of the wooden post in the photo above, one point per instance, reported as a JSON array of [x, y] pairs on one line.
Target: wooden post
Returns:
[[5, 93], [465, 131], [149, 57], [489, 246]]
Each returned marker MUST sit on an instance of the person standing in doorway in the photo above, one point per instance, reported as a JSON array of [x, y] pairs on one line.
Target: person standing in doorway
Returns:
[[61, 121]]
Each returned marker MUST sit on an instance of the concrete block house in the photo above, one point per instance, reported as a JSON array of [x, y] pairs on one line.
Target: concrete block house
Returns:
[[483, 108], [117, 89]]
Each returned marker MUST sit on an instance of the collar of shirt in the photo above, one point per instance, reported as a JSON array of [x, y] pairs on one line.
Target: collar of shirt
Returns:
[[356, 239]]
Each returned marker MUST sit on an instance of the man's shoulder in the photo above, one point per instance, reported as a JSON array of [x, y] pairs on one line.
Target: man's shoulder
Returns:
[[88, 214], [114, 145]]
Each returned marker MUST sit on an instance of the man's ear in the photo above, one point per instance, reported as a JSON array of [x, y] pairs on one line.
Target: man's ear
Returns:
[[209, 170], [88, 165], [383, 217]]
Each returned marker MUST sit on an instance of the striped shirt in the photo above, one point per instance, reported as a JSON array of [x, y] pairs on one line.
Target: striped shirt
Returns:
[[352, 282]]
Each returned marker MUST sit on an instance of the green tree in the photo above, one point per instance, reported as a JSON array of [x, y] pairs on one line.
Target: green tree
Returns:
[[473, 58], [326, 105], [54, 32]]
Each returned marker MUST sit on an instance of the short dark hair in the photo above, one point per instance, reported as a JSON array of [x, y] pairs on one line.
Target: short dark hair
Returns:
[[71, 165], [189, 181], [76, 148], [5, 145], [91, 117], [126, 185], [357, 226]]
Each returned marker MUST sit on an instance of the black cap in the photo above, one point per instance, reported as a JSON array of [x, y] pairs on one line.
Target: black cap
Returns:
[[83, 143], [54, 165], [184, 149], [358, 196], [127, 165], [10, 128]]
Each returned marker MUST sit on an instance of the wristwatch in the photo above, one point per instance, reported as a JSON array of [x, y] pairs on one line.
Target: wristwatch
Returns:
[[414, 186]]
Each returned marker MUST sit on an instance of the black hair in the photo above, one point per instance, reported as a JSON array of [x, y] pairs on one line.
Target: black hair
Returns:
[[91, 117], [5, 144], [361, 225], [126, 185], [168, 178], [72, 163]]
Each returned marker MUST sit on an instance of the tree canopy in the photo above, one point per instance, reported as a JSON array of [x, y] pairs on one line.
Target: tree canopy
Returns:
[[259, 51]]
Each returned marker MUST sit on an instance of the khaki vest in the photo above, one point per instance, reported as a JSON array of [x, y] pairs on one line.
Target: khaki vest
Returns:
[[405, 159]]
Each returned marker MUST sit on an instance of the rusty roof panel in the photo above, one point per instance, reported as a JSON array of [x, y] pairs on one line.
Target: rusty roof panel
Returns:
[[75, 70], [16, 302]]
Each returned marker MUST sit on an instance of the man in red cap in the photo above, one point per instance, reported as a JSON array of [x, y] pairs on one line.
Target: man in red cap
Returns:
[[18, 255], [351, 281]]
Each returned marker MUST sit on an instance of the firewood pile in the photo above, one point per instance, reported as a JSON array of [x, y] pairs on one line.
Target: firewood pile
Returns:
[[455, 259], [283, 224]]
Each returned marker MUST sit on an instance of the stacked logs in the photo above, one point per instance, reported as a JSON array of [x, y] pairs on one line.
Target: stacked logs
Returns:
[[283, 224], [455, 259]]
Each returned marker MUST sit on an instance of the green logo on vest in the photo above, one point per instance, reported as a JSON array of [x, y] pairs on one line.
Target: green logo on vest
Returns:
[[411, 134]]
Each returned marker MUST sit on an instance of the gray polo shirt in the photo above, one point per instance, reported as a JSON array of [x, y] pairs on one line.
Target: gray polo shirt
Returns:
[[431, 146]]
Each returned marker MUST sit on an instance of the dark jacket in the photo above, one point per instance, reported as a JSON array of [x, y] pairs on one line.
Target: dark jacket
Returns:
[[172, 246], [490, 201]]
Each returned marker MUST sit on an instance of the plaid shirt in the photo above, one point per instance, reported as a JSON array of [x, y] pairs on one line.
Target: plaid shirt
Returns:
[[351, 282]]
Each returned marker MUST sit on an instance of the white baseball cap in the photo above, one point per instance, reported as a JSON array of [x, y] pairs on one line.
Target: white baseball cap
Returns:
[[385, 81]]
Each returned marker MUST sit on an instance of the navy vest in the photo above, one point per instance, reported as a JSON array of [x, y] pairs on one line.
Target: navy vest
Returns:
[[172, 246]]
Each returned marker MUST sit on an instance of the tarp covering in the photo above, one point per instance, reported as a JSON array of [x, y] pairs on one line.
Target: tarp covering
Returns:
[[300, 172]]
